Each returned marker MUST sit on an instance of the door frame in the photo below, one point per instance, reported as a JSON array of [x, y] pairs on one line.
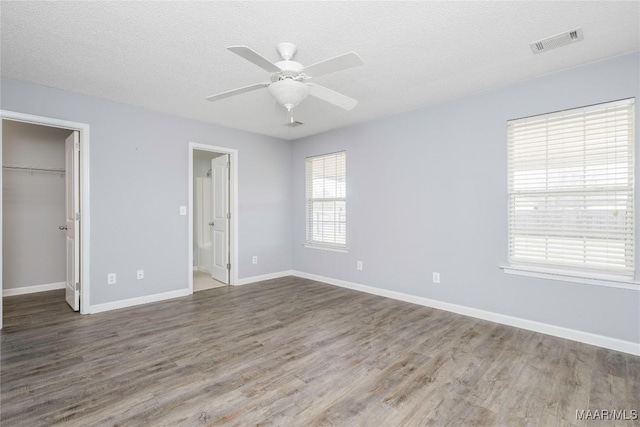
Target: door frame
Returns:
[[85, 210], [233, 207]]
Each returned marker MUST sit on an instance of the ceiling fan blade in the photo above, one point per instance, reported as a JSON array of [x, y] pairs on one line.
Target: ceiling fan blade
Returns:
[[332, 97], [238, 91], [252, 56], [342, 62]]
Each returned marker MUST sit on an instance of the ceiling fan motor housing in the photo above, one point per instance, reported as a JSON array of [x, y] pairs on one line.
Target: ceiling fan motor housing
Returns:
[[289, 69]]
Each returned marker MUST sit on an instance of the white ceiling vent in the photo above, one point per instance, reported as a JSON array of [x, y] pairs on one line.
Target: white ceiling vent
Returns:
[[293, 124], [557, 41]]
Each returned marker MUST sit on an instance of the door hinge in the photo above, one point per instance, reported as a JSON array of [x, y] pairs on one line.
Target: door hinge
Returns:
[[228, 215], [76, 145], [77, 216], [228, 165], [77, 286], [228, 266]]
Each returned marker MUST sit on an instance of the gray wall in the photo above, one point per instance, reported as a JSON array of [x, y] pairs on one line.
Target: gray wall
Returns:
[[33, 208], [139, 167], [427, 191]]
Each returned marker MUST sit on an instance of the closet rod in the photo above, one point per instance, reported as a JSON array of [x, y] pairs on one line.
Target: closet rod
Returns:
[[28, 168]]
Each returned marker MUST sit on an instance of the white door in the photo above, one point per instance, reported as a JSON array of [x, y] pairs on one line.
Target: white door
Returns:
[[219, 217], [72, 196]]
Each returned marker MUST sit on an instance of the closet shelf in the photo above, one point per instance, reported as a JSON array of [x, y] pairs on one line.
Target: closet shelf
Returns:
[[30, 168]]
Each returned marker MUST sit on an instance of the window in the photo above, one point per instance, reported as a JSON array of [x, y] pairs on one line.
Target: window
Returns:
[[571, 190], [326, 178]]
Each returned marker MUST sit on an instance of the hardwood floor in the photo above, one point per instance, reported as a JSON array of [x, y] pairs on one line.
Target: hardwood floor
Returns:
[[294, 352]]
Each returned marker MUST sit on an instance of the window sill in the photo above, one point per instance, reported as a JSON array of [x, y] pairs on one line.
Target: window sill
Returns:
[[570, 276], [326, 248]]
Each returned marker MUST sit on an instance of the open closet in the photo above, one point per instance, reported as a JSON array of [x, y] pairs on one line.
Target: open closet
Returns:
[[39, 199]]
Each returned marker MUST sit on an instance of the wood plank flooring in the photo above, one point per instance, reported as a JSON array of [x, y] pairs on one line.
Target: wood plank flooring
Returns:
[[294, 352]]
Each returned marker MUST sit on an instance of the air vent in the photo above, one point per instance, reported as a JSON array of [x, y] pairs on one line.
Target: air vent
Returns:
[[557, 41], [293, 124]]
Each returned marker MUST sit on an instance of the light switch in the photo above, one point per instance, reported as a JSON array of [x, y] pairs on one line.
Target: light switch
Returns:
[[183, 210]]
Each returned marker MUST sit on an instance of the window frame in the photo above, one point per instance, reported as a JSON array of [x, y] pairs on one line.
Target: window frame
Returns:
[[566, 272], [316, 244]]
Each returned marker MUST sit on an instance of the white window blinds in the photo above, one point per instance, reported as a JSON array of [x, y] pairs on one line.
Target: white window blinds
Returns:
[[571, 189], [326, 178]]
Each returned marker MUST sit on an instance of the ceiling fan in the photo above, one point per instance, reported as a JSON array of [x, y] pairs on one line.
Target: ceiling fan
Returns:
[[289, 79]]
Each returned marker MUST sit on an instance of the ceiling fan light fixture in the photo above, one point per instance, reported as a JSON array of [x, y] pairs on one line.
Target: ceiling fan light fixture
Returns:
[[288, 92]]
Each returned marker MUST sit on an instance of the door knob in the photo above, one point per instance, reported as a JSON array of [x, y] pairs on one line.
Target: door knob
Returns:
[[62, 227], [211, 223]]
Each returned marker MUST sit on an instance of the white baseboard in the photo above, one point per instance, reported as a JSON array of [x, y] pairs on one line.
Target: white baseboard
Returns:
[[531, 325], [269, 276], [33, 289], [99, 308]]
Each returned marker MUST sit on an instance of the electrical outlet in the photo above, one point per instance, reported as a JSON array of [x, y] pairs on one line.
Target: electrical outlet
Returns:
[[359, 265], [140, 274], [111, 278], [254, 259], [436, 277]]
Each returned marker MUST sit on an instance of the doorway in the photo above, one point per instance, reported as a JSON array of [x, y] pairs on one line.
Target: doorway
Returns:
[[212, 219], [45, 188]]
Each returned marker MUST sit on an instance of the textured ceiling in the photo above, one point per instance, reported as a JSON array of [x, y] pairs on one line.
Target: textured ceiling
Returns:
[[167, 56]]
